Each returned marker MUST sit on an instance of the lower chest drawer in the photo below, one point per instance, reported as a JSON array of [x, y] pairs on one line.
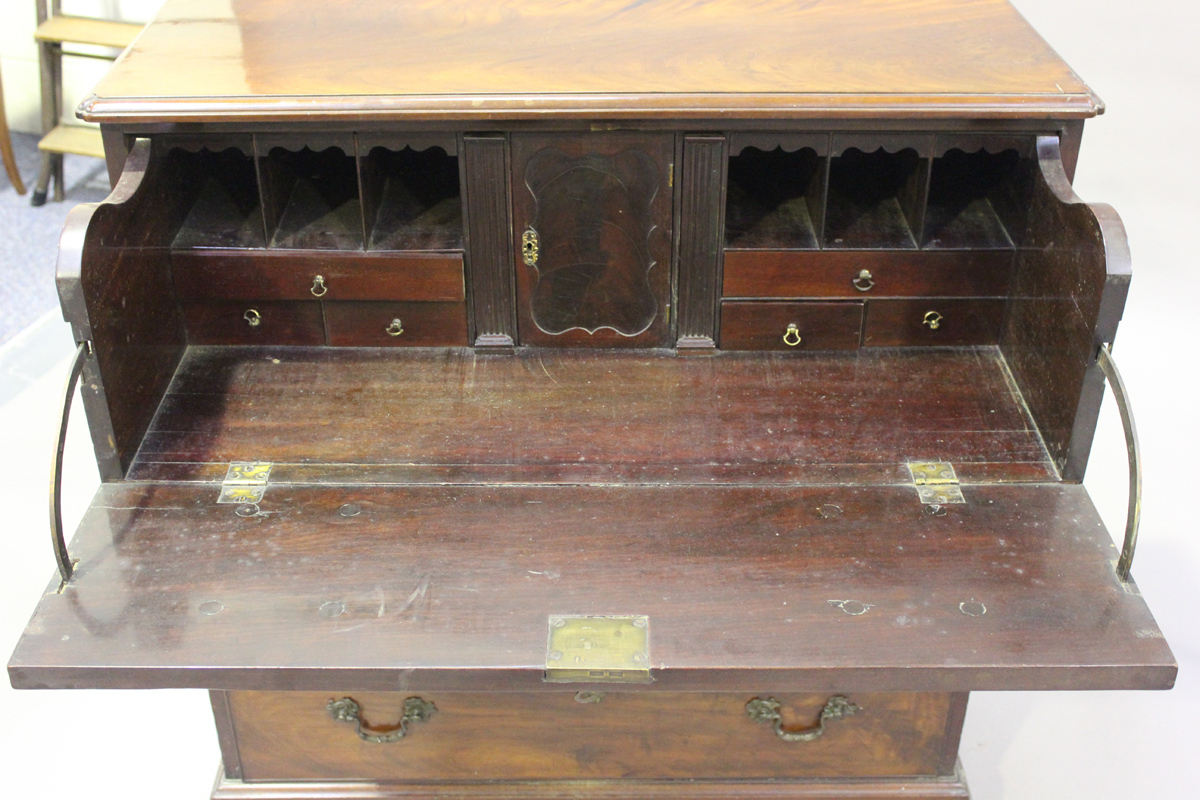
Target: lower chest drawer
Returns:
[[564, 735]]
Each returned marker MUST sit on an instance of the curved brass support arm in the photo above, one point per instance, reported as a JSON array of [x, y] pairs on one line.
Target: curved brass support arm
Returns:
[[767, 710], [1134, 518], [66, 568], [347, 710]]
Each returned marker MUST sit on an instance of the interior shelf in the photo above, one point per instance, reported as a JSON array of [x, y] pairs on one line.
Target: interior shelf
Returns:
[[226, 211], [313, 199], [965, 190], [774, 199], [412, 199], [532, 417], [875, 199]]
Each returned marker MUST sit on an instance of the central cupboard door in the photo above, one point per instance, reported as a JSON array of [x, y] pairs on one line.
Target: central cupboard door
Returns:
[[592, 229]]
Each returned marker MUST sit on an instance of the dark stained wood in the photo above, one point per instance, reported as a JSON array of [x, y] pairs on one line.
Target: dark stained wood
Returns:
[[411, 198], [231, 760], [877, 191], [601, 206], [605, 59], [570, 416], [490, 254], [763, 326], [310, 192], [227, 209], [229, 322], [948, 761], [116, 289], [788, 142], [366, 324], [776, 198], [549, 736], [446, 588], [1068, 294], [894, 273], [290, 275], [702, 179], [902, 323], [951, 788]]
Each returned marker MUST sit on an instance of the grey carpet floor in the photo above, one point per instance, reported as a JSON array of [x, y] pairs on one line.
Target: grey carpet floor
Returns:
[[29, 236]]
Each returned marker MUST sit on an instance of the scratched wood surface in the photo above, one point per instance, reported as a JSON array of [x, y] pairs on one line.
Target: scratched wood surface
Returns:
[[549, 736], [571, 416], [806, 589], [284, 59]]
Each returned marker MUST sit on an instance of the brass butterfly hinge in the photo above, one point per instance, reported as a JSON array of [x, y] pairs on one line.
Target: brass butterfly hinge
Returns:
[[936, 482], [245, 482]]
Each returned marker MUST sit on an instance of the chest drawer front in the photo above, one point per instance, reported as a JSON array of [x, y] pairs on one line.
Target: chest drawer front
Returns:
[[281, 275], [933, 322], [552, 735], [790, 327], [254, 322], [396, 324], [831, 273]]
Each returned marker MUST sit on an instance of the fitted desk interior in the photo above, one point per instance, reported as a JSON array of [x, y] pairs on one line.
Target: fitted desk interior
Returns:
[[597, 400]]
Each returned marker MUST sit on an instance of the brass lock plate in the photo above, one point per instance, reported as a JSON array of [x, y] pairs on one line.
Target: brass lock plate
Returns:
[[582, 649]]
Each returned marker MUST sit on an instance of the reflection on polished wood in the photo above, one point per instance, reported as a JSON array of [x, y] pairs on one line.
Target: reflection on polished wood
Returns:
[[216, 59]]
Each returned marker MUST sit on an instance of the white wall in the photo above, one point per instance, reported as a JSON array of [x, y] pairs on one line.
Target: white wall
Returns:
[[19, 57]]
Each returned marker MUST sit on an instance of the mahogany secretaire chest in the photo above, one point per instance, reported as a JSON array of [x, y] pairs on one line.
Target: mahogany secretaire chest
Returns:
[[595, 399]]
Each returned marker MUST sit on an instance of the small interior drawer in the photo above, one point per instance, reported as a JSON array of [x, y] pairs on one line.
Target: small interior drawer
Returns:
[[866, 274], [933, 322], [276, 275], [590, 735], [396, 324], [790, 327], [254, 322]]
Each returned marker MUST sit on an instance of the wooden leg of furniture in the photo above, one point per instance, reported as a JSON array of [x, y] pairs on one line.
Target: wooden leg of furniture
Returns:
[[50, 58], [6, 151]]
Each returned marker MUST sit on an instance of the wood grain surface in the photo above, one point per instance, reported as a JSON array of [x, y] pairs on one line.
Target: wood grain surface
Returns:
[[580, 416], [443, 588], [282, 59], [549, 735]]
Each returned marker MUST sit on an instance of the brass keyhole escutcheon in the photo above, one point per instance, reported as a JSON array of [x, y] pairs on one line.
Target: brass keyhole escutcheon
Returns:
[[529, 247], [791, 337], [395, 328], [252, 317], [864, 282], [933, 320], [318, 288]]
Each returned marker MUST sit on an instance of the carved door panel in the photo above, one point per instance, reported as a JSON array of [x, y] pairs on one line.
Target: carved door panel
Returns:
[[592, 228]]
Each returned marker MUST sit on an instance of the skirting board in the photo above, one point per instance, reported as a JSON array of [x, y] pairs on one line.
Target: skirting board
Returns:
[[949, 788]]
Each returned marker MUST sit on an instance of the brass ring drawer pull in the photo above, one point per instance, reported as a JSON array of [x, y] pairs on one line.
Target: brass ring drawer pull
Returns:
[[415, 710], [791, 337], [252, 317], [864, 282], [318, 288], [767, 710], [932, 320], [395, 328]]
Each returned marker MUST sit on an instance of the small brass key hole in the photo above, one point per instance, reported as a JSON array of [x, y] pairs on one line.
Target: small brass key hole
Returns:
[[318, 288], [791, 337], [933, 320], [396, 328], [252, 317], [529, 247], [864, 282]]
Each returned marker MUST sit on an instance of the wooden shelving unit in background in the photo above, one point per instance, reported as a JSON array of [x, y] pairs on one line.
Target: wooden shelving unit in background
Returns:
[[53, 32]]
